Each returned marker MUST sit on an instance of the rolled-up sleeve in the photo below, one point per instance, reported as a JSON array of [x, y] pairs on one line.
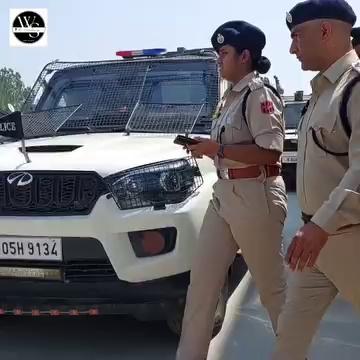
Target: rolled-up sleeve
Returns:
[[264, 114]]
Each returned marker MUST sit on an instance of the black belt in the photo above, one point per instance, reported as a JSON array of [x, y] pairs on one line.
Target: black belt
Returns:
[[306, 218]]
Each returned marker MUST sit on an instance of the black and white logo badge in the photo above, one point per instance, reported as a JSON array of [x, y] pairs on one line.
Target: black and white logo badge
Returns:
[[20, 179], [28, 27]]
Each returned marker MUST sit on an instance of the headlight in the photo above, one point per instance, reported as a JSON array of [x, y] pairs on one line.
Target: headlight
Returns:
[[157, 184]]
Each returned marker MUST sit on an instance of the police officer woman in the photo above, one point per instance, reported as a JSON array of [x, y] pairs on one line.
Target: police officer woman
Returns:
[[248, 207]]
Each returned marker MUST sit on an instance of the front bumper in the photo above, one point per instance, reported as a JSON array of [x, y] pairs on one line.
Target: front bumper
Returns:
[[48, 293], [110, 226], [152, 300], [88, 285]]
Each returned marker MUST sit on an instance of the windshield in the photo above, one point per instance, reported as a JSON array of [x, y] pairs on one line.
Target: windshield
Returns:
[[152, 95], [292, 114]]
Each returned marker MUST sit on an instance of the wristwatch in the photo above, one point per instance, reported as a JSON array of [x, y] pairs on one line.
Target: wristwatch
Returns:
[[220, 152]]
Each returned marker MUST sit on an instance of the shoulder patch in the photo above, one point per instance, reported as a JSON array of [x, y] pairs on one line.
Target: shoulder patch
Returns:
[[267, 107], [256, 83]]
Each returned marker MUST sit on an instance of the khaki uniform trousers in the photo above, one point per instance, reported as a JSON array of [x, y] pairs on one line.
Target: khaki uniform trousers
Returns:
[[247, 214], [311, 292]]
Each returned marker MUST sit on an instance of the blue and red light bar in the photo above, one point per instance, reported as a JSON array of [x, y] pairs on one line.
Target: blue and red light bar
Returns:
[[137, 53]]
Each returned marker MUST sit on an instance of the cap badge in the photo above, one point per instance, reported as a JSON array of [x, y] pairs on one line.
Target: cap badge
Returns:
[[289, 18], [220, 39]]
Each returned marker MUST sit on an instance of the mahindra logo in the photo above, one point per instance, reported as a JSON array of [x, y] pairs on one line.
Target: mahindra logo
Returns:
[[20, 178]]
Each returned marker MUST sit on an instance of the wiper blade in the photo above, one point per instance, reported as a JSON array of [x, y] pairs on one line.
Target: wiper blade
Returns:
[[92, 129], [75, 128]]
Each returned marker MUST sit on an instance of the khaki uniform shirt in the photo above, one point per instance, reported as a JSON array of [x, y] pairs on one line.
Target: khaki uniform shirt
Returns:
[[328, 186], [264, 123]]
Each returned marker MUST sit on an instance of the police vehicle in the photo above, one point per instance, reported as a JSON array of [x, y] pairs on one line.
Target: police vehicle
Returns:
[[99, 209], [294, 106]]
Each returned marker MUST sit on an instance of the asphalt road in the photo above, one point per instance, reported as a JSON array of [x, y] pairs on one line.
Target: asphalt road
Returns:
[[100, 338], [246, 334]]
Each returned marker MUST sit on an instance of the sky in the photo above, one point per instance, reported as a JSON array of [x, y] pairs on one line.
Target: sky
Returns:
[[95, 30]]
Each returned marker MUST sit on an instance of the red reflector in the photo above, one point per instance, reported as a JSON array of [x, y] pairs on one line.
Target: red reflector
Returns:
[[18, 312], [153, 242], [74, 312], [35, 312], [94, 312], [54, 312]]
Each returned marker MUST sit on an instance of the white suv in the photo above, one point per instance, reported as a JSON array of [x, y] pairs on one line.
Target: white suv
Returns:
[[294, 106], [104, 215]]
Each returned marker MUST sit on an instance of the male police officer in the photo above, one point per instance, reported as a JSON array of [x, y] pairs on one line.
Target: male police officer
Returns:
[[325, 252], [356, 39]]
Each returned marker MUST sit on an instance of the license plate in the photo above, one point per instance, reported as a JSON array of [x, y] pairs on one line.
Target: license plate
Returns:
[[31, 273], [289, 158], [12, 248]]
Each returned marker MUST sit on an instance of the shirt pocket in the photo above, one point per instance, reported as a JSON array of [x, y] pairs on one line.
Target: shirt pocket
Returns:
[[217, 128], [323, 132], [237, 131], [240, 133], [234, 126]]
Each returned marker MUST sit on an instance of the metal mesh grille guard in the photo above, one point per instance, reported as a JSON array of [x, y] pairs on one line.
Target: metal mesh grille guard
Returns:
[[164, 118], [166, 95], [158, 184], [46, 123]]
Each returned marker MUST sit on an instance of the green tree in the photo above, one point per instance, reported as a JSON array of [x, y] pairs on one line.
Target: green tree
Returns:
[[12, 89]]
